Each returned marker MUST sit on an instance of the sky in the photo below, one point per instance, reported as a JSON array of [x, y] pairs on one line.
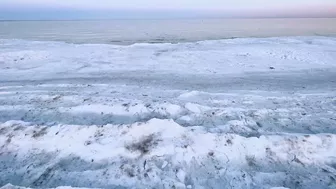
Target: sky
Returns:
[[100, 9]]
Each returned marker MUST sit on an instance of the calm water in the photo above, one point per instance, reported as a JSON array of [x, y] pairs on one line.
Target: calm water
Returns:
[[158, 31]]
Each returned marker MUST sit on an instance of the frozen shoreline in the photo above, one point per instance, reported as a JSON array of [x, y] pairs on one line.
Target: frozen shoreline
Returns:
[[240, 113], [162, 154], [21, 59]]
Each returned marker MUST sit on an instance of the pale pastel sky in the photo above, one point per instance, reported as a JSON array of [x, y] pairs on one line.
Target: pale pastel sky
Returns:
[[226, 8]]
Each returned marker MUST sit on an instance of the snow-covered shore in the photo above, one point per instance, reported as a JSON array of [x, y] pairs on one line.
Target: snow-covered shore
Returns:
[[21, 59], [241, 113]]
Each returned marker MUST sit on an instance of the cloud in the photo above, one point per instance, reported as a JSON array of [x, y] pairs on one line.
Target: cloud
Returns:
[[166, 4], [103, 9]]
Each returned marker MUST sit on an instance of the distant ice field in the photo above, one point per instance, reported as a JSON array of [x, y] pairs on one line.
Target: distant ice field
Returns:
[[126, 32]]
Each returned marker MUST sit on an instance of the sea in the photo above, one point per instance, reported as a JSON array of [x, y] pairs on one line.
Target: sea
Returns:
[[125, 32]]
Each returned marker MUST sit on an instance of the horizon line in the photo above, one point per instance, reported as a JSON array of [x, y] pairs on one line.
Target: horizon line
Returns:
[[173, 18]]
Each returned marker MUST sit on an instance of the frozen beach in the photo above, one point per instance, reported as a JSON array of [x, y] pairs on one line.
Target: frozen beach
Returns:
[[246, 113]]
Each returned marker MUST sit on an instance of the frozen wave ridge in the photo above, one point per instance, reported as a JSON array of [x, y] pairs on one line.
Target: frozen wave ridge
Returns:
[[162, 154]]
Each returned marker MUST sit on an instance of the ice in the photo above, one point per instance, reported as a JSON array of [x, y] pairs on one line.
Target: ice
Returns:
[[53, 60], [165, 163], [157, 142], [9, 186], [189, 95], [121, 109], [181, 175], [209, 114]]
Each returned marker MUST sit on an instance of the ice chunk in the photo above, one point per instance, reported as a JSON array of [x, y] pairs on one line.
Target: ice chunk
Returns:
[[181, 175], [165, 163]]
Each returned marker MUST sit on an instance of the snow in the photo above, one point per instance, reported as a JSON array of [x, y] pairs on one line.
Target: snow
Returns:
[[165, 141], [54, 59], [104, 109], [9, 186], [208, 114]]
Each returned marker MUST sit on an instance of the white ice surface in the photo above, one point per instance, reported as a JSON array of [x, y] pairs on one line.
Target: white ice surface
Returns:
[[201, 115], [56, 59], [9, 186]]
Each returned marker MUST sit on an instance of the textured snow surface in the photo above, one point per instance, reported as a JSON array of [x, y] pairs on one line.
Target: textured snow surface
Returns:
[[35, 60], [9, 186], [241, 113]]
